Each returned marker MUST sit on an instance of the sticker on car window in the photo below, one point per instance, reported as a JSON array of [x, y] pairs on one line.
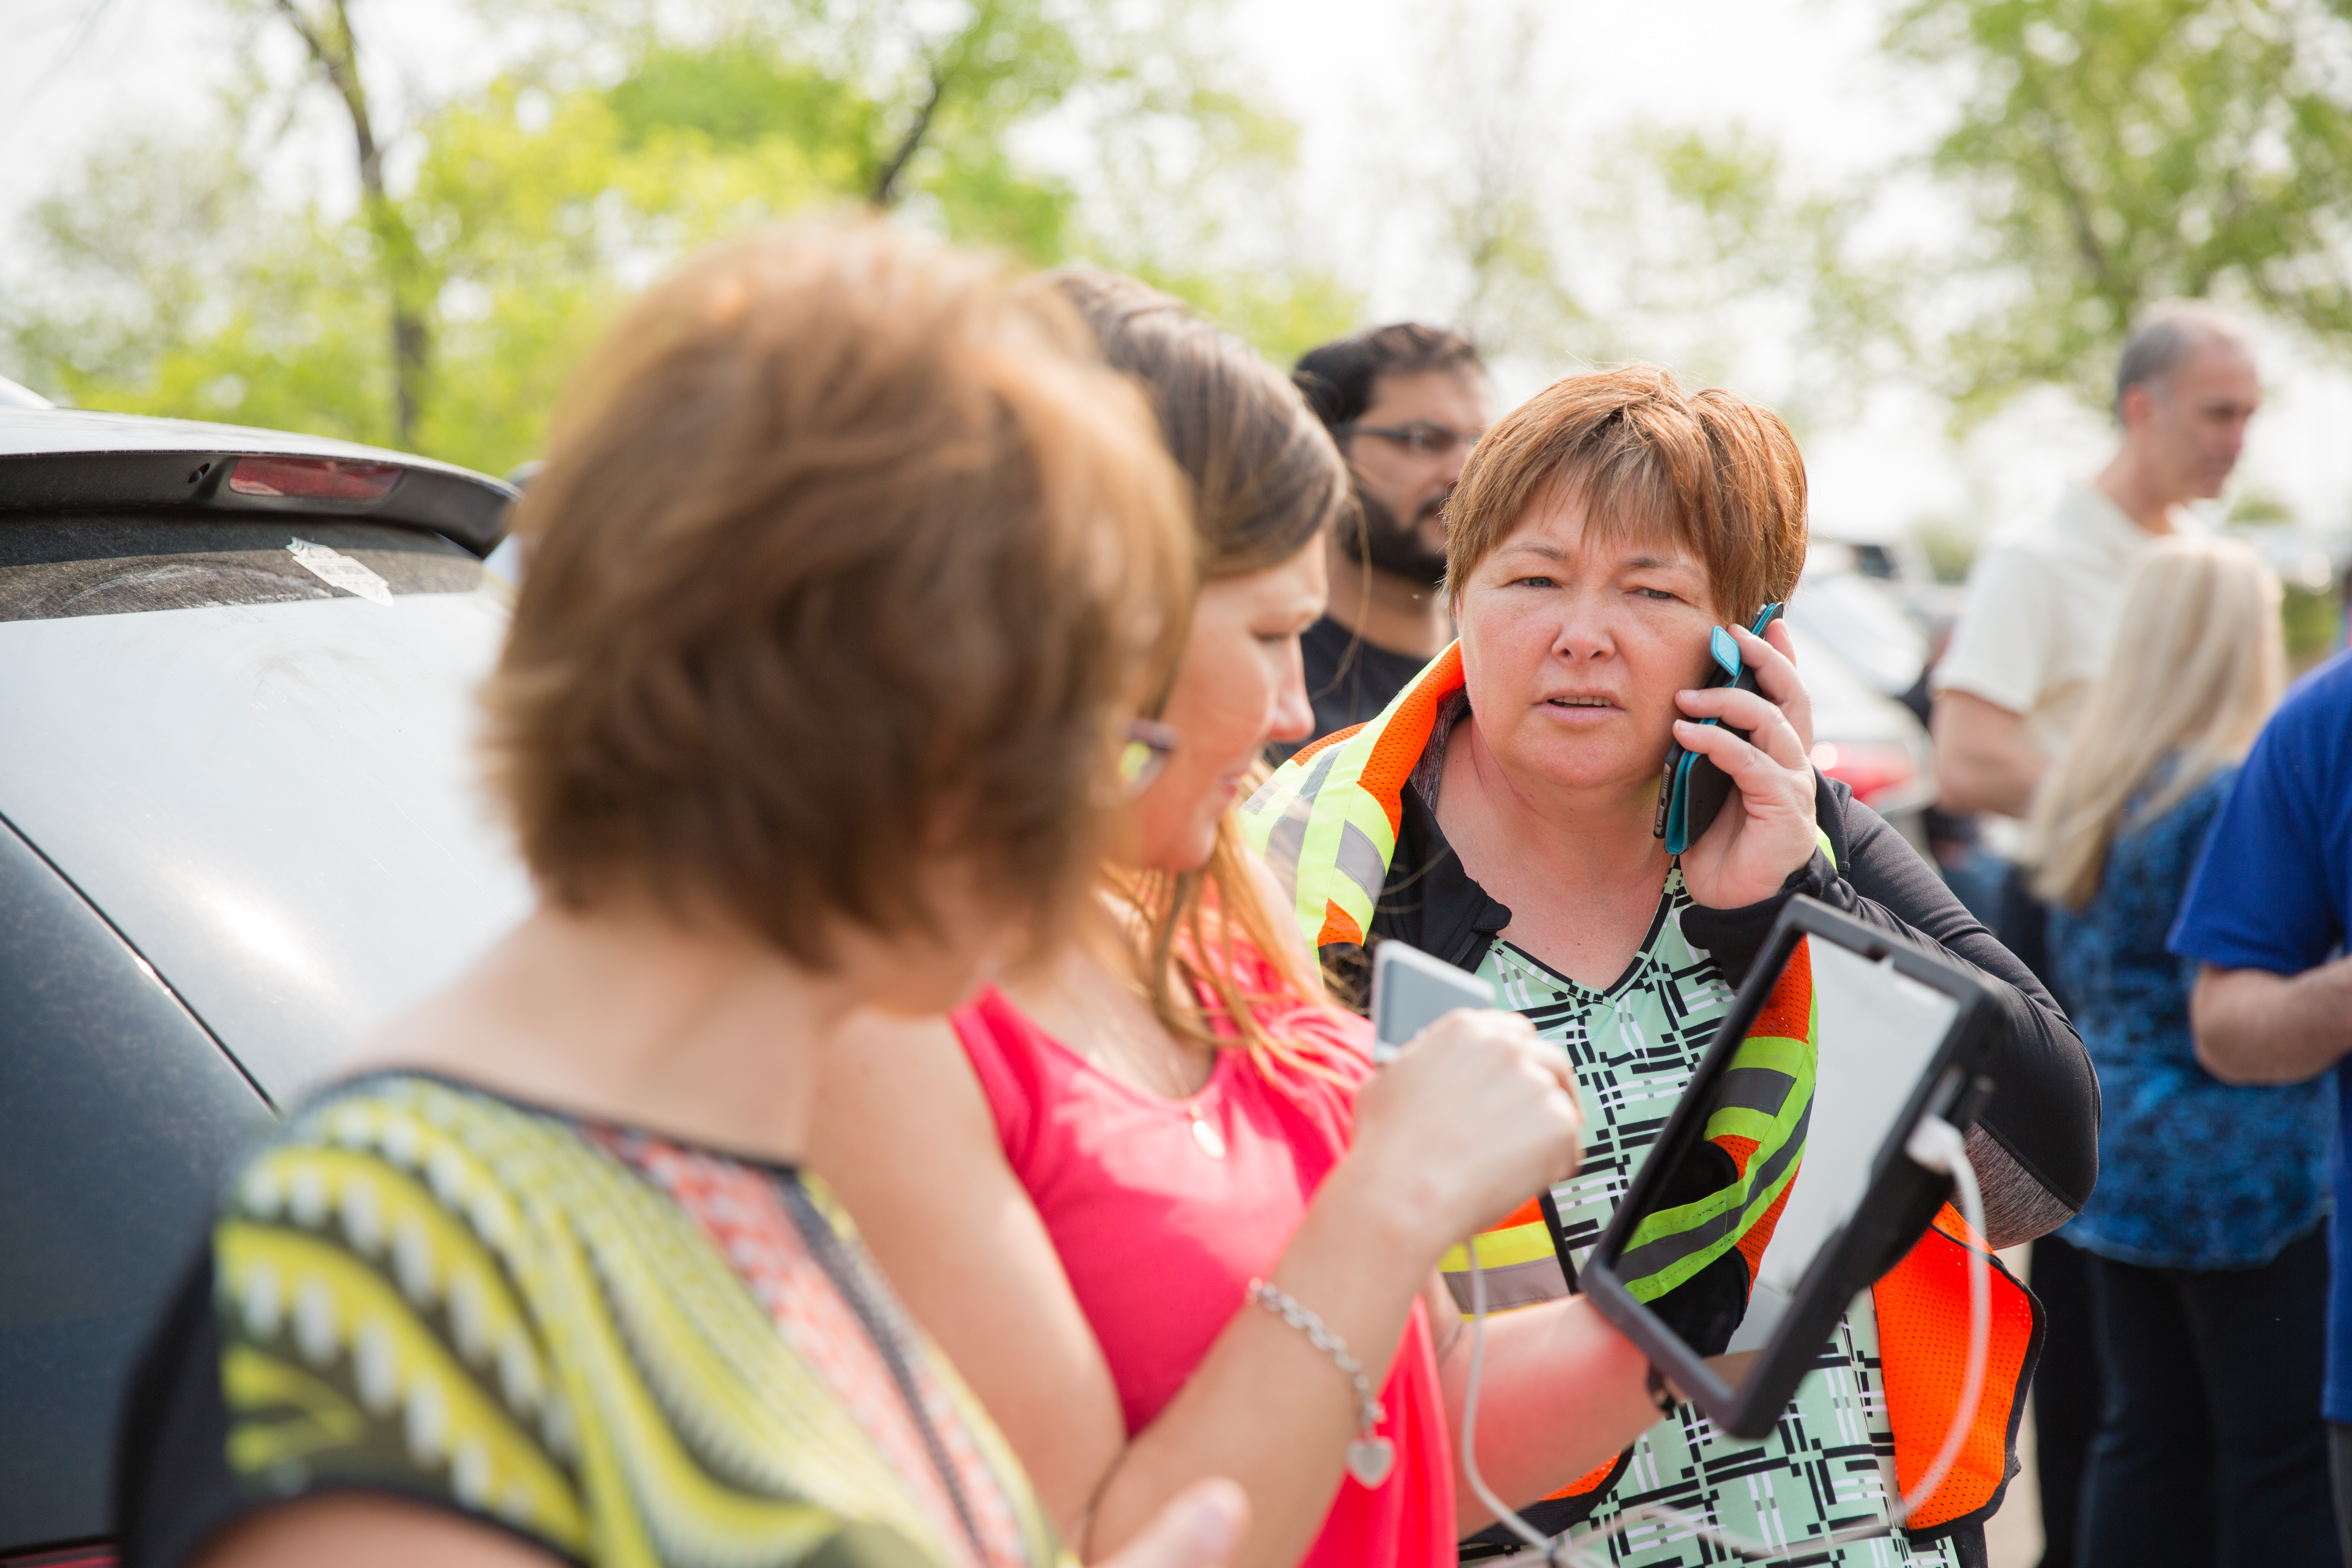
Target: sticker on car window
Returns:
[[338, 570]]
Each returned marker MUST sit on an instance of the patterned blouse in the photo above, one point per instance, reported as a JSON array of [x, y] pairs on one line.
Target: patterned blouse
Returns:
[[2193, 1172], [1831, 1461], [627, 1350]]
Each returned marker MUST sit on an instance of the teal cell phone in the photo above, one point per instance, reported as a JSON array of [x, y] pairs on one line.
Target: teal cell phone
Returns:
[[1694, 788]]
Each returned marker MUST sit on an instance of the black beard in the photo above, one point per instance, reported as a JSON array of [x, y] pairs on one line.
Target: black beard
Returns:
[[1387, 545]]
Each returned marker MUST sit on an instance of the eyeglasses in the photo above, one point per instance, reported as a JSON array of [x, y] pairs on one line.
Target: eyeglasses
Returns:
[[1422, 437], [1149, 744]]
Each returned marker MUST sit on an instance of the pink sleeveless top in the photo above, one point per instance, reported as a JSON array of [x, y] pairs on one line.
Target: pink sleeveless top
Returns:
[[1160, 1238]]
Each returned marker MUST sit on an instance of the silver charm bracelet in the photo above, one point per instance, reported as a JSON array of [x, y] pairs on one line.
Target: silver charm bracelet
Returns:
[[1370, 1456]]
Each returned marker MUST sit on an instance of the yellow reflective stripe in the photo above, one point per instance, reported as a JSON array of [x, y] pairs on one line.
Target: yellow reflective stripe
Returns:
[[1339, 799], [1348, 886], [1650, 1287], [1318, 853], [1670, 1245], [1664, 1225], [1740, 1122], [1501, 1248], [1829, 850], [1263, 810], [1777, 1053]]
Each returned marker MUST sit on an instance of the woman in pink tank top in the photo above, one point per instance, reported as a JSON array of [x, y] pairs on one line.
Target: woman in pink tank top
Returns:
[[1079, 1181]]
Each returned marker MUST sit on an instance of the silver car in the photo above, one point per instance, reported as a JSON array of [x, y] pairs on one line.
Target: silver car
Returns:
[[238, 831], [1860, 653]]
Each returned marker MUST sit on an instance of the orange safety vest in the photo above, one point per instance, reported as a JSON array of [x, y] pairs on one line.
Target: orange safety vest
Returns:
[[1327, 823]]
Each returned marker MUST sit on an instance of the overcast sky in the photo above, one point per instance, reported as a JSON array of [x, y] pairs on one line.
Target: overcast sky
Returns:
[[1358, 75]]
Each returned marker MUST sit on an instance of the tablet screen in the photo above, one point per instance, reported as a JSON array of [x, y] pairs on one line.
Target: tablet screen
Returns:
[[1792, 1129]]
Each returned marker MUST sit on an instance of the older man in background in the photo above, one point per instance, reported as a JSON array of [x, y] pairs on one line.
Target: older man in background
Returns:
[[1405, 402], [2041, 602], [2040, 619]]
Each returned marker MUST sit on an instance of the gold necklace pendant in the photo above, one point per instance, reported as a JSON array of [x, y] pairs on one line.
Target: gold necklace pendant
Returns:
[[1205, 1133]]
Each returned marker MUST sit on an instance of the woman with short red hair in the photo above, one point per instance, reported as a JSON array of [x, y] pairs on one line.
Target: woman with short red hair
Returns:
[[1601, 536], [1151, 1193]]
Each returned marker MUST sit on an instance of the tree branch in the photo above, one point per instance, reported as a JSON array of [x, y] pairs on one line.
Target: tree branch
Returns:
[[338, 56], [886, 185], [339, 62]]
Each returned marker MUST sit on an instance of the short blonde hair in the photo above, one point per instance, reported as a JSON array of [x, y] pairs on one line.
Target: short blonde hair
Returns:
[[1717, 474], [2198, 664], [845, 552]]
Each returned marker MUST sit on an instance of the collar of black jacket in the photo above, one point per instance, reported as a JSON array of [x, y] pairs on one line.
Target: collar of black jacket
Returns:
[[1431, 903]]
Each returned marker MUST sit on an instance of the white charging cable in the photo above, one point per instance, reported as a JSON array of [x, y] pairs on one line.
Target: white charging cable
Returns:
[[1935, 1145], [1503, 1512]]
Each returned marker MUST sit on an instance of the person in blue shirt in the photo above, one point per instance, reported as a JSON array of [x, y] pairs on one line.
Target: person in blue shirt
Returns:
[[2265, 921], [2207, 1265]]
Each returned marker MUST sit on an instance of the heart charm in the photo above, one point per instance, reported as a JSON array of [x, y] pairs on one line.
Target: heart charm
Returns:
[[1370, 1461]]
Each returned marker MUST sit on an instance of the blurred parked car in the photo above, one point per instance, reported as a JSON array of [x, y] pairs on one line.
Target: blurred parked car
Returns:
[[1866, 739], [1856, 615], [238, 831], [1861, 651]]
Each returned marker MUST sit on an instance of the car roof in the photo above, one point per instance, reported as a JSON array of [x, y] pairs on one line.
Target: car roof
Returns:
[[17, 395], [77, 458]]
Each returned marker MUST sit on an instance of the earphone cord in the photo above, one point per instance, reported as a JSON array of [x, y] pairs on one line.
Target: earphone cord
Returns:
[[1934, 1144]]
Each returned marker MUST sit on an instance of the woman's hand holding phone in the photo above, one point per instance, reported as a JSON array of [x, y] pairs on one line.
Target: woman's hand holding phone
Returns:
[[1470, 1117], [1766, 830]]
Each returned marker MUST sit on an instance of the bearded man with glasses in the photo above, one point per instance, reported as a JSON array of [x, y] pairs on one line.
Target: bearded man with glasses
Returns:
[[1405, 402]]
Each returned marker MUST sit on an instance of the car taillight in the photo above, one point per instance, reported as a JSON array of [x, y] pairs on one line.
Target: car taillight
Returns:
[[92, 1554], [312, 478], [1869, 768]]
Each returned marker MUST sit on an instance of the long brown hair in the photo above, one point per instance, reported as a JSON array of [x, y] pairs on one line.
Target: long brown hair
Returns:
[[1266, 481]]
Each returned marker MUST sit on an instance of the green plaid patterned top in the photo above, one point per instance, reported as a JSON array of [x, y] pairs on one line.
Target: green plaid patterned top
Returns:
[[1831, 1461]]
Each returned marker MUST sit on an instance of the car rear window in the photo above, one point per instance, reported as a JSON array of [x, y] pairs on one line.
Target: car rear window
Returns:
[[269, 786], [106, 564]]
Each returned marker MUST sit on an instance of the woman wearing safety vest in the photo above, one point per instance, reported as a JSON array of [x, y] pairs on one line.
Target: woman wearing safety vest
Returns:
[[1149, 1197], [1499, 814]]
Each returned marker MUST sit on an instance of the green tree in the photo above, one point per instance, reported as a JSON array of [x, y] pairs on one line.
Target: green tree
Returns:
[[445, 313], [325, 28], [2121, 151], [171, 279], [1493, 193], [1726, 266], [1700, 251]]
